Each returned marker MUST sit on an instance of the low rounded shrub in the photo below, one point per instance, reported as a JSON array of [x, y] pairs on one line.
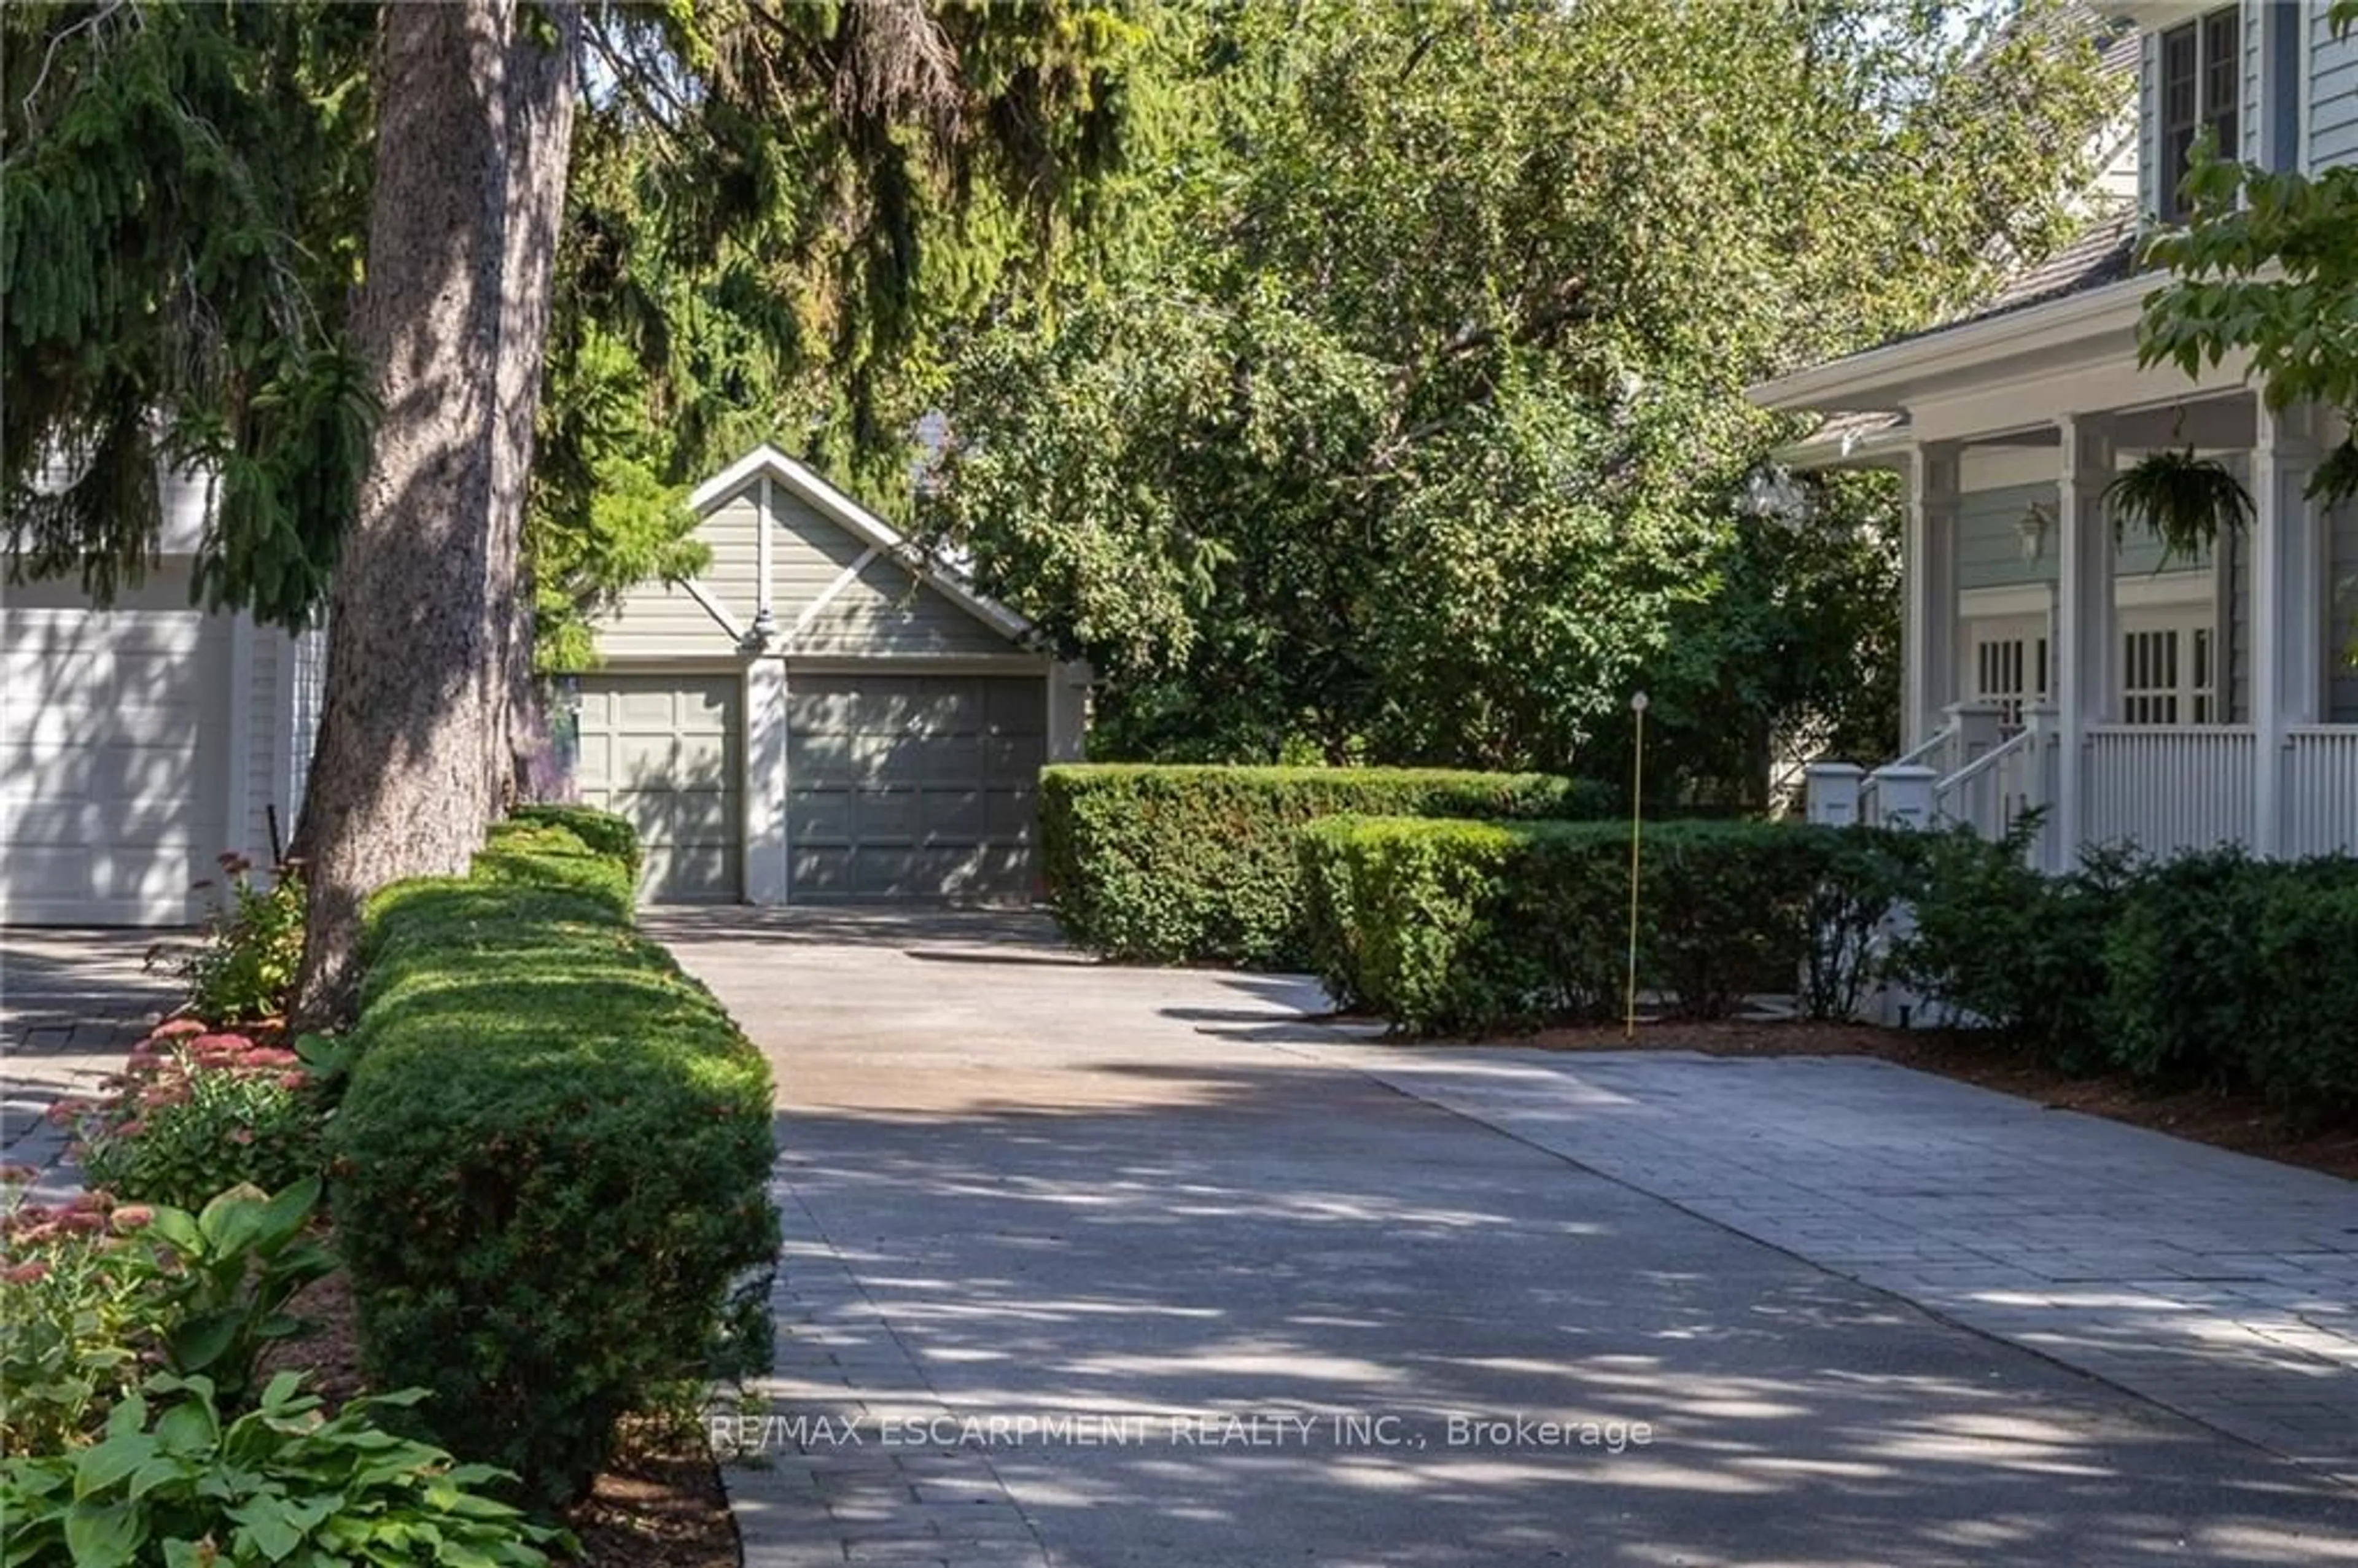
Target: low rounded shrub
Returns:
[[2181, 979], [2007, 947], [551, 1166], [1197, 864], [2300, 1044]]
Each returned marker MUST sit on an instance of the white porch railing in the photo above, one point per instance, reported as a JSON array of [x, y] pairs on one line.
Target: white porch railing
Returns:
[[2169, 789], [1995, 790], [2321, 785]]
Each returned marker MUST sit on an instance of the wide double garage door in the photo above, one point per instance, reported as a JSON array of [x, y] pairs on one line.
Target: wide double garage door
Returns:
[[897, 786]]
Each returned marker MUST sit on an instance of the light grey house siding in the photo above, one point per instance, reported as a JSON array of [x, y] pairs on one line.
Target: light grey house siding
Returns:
[[884, 610], [1989, 541], [2149, 123], [1989, 537], [811, 553], [2332, 93]]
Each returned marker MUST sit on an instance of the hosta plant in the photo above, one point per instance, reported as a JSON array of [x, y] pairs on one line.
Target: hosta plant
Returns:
[[174, 1480]]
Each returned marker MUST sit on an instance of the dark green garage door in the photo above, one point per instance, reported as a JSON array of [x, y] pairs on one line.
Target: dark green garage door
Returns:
[[665, 751], [913, 786]]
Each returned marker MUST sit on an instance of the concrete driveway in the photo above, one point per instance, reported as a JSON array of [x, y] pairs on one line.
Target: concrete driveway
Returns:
[[1097, 1266]]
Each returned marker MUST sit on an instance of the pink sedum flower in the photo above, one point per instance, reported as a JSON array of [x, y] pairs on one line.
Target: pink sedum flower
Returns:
[[25, 1273]]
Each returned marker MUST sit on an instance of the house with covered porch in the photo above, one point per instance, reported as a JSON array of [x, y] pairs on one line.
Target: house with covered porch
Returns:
[[2058, 664]]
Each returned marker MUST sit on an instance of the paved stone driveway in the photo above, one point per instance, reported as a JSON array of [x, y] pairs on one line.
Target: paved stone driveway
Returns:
[[1267, 1294], [71, 1004], [2220, 1286]]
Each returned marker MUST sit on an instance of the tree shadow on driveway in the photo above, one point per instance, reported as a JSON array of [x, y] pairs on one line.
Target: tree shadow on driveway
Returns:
[[1287, 1241]]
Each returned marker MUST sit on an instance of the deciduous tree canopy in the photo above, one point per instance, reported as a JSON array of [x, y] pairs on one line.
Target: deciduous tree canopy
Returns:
[[1406, 421]]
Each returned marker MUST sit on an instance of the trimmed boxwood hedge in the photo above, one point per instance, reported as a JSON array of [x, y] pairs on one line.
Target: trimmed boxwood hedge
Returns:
[[551, 1165], [1476, 927], [2209, 968], [1196, 864]]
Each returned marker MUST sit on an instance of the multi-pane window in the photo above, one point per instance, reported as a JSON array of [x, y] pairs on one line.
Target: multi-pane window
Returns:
[[2010, 663], [2201, 64], [2168, 670]]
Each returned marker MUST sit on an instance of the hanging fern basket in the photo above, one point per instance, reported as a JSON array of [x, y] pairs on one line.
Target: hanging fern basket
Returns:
[[2183, 500]]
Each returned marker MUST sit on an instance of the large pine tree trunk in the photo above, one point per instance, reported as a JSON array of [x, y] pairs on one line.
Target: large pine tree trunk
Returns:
[[425, 657]]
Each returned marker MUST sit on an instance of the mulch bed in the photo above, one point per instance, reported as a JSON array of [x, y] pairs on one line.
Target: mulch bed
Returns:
[[658, 1505], [2240, 1122]]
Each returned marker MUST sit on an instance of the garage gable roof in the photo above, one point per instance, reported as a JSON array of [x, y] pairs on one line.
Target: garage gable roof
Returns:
[[767, 461]]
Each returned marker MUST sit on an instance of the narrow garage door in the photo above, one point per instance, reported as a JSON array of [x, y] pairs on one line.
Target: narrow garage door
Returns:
[[664, 751], [110, 767], [913, 786]]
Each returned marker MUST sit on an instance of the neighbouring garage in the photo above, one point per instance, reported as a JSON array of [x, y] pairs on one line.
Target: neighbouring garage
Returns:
[[111, 762], [821, 715]]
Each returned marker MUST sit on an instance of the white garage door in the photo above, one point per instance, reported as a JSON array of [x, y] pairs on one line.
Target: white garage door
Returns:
[[912, 786], [664, 751], [110, 758]]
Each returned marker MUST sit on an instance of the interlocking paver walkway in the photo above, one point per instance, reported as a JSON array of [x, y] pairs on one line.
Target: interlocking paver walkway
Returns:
[[2220, 1286], [71, 1004]]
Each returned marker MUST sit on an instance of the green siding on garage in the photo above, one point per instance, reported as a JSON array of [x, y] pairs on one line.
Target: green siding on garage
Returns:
[[666, 752], [907, 785]]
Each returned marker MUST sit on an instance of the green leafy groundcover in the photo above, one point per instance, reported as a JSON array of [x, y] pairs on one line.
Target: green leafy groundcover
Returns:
[[1196, 864], [190, 1482], [1476, 927], [551, 1163]]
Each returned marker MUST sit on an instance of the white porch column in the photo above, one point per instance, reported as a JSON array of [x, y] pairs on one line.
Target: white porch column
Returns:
[[1929, 612], [765, 869], [2083, 618], [1068, 709], [2289, 619]]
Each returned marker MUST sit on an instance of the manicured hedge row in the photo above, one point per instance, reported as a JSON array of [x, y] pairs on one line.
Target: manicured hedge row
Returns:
[[551, 1165], [2205, 969], [601, 831], [1196, 864], [547, 854], [1474, 928]]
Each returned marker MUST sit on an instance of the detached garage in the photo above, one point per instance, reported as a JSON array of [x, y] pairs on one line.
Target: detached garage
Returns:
[[820, 716]]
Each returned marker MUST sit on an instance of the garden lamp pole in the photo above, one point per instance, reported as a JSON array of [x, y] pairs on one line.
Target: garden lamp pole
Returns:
[[1636, 814]]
